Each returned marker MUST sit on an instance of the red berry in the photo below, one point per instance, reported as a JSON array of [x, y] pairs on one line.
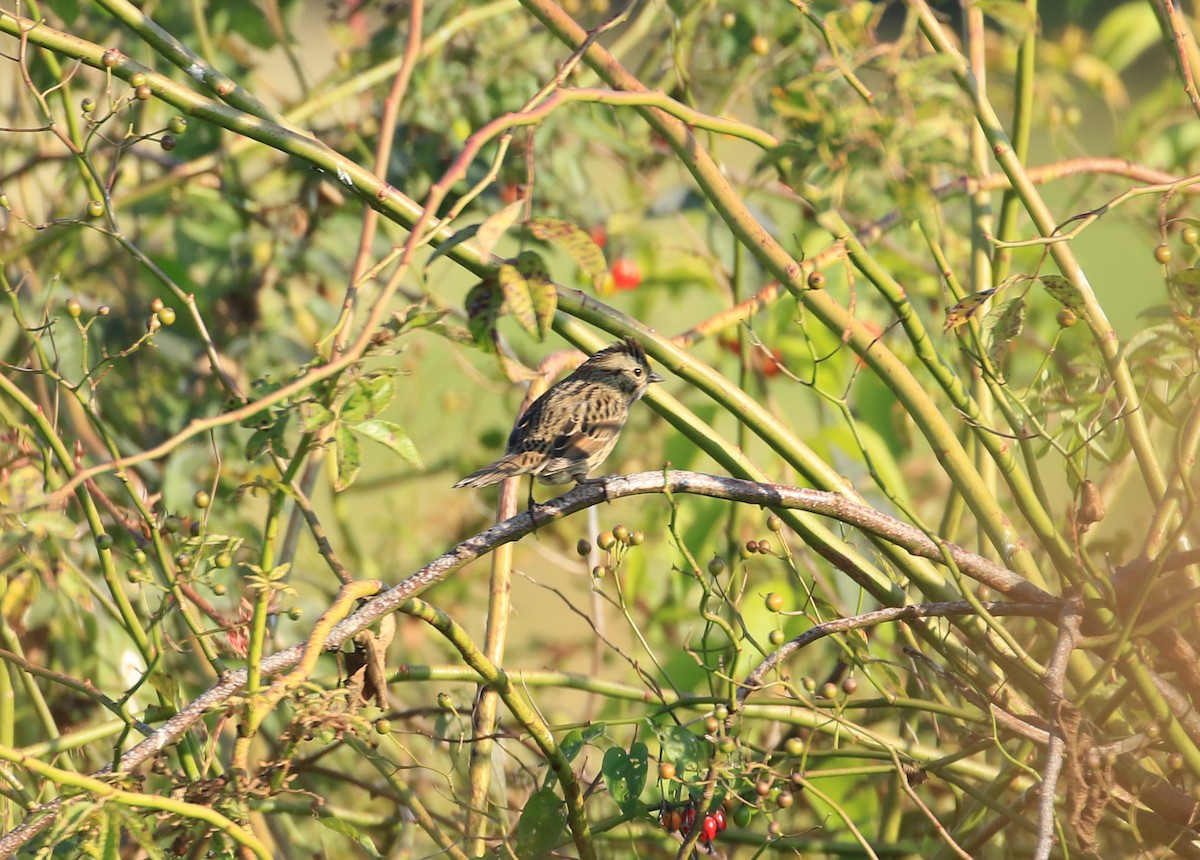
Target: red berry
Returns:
[[599, 235], [689, 818], [710, 827], [719, 817], [626, 274], [770, 365]]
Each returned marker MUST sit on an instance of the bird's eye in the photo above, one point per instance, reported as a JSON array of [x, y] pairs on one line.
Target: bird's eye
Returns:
[[637, 371]]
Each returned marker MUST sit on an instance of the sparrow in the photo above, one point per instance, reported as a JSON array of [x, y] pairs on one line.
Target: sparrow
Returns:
[[570, 429]]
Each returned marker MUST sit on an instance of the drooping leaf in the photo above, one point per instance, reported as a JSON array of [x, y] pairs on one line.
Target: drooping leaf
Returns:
[[492, 229], [392, 435], [348, 459], [517, 300], [1002, 324], [1064, 292], [541, 825], [543, 294], [450, 244], [961, 311], [483, 305], [575, 241]]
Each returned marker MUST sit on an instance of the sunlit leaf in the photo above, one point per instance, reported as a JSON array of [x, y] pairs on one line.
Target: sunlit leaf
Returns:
[[491, 230], [314, 416], [1064, 292], [348, 459], [391, 435], [575, 241], [961, 311], [517, 300], [543, 294]]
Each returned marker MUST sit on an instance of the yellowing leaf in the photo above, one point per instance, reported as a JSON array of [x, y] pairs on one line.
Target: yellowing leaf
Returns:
[[575, 241], [961, 311]]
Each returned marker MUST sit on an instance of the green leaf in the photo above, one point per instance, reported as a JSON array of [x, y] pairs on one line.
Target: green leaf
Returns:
[[391, 435], [541, 826], [517, 300], [371, 395], [1064, 292], [349, 457], [314, 416], [625, 775], [575, 241], [457, 239], [682, 748], [491, 230], [543, 294], [339, 825]]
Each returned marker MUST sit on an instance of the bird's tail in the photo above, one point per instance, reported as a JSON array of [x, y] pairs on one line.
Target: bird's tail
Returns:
[[508, 466]]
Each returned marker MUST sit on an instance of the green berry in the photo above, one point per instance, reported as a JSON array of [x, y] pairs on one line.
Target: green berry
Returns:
[[637, 537], [621, 533], [139, 556], [774, 602], [74, 309], [777, 637], [88, 105], [95, 208], [177, 125], [223, 560], [172, 524], [1191, 235], [201, 499], [295, 613], [742, 816], [383, 727], [445, 702], [167, 316], [219, 589], [795, 746], [666, 770], [1163, 254], [816, 281], [829, 690], [717, 566], [1066, 318], [104, 541], [138, 79], [605, 540], [774, 523]]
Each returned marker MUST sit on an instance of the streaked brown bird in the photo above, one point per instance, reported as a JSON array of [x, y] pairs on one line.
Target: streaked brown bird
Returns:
[[570, 429]]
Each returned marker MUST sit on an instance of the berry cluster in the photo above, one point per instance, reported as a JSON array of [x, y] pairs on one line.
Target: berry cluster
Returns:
[[680, 819]]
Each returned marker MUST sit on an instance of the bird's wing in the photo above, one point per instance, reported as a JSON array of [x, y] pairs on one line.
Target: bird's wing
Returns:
[[591, 427]]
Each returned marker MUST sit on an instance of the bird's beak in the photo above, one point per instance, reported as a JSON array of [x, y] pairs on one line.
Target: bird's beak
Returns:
[[654, 377]]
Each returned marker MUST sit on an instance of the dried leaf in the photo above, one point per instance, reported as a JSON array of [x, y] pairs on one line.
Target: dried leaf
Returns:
[[961, 311]]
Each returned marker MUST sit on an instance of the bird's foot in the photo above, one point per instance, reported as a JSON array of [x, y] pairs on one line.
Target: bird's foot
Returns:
[[602, 480]]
